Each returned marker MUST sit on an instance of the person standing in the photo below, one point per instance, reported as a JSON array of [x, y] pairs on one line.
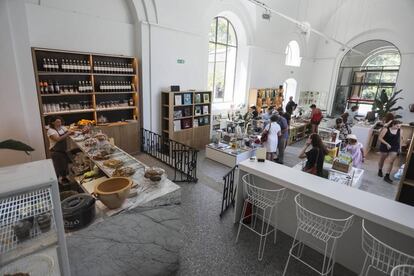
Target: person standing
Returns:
[[273, 131], [284, 126], [290, 106], [391, 141], [57, 135], [356, 150], [266, 116], [344, 130], [352, 112], [316, 118], [315, 156]]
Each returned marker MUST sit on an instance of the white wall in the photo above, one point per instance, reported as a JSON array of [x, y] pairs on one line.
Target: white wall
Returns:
[[355, 22]]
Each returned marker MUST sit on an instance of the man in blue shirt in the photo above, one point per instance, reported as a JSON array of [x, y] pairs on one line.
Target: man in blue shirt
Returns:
[[282, 139]]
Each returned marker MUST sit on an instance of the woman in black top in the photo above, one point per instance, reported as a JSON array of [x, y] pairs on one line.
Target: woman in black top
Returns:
[[391, 140], [316, 155]]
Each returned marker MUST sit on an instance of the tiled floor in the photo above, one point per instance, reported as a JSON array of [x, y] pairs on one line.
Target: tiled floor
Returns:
[[210, 247]]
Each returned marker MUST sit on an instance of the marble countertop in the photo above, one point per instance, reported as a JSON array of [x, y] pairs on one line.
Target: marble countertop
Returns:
[[142, 241]]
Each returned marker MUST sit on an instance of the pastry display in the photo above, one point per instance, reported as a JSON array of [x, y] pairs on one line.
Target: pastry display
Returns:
[[90, 142], [113, 163], [123, 172], [154, 173], [101, 137], [101, 155]]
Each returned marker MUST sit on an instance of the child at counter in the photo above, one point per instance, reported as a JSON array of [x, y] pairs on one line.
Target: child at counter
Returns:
[[356, 149]]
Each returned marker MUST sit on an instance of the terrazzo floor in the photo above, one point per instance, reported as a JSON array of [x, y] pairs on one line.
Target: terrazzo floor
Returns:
[[210, 247]]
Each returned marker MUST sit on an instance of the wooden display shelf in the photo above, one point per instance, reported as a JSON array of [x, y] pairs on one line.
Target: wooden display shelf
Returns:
[[42, 73], [115, 108], [409, 182], [72, 116], [113, 75], [65, 94], [195, 136], [115, 93], [69, 112]]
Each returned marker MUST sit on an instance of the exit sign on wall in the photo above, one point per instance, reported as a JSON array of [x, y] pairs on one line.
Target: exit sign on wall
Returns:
[[180, 61]]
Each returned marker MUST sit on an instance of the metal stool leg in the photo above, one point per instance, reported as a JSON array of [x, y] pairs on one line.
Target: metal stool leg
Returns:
[[275, 226], [364, 267], [290, 252], [263, 245], [241, 220]]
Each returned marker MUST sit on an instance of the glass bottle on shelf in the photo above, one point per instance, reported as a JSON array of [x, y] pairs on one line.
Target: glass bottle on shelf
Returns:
[[45, 87], [41, 87], [57, 88], [44, 64], [51, 88]]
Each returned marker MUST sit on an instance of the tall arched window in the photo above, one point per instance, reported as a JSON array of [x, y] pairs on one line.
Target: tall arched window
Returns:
[[222, 57], [293, 54]]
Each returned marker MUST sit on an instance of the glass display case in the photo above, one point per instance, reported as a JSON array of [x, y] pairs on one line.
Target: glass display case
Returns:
[[32, 237]]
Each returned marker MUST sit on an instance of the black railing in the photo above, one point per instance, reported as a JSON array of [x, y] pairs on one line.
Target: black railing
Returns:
[[229, 190], [182, 158]]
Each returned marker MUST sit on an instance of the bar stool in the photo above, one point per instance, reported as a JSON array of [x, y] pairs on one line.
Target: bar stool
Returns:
[[402, 270], [323, 229], [262, 201], [381, 256]]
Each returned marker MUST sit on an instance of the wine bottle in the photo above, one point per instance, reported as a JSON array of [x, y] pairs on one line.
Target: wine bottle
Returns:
[[41, 87], [57, 88], [45, 87], [51, 88]]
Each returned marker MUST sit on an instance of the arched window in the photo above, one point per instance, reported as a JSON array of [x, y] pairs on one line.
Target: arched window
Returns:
[[293, 54], [290, 89], [222, 57]]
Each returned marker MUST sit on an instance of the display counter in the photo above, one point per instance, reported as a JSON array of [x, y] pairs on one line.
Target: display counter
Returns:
[[142, 237], [353, 178], [298, 130], [388, 219], [224, 154]]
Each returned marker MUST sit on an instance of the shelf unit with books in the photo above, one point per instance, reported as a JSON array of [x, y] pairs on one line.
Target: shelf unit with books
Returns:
[[186, 117], [406, 188]]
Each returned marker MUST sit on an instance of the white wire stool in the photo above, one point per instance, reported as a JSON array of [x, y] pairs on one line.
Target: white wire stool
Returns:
[[381, 256], [323, 229], [264, 200], [403, 270]]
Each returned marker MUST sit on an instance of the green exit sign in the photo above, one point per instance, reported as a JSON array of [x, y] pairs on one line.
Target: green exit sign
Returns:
[[180, 61]]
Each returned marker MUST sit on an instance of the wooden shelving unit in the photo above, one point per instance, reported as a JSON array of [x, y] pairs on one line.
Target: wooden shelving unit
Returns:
[[72, 104], [406, 188], [262, 98], [186, 117]]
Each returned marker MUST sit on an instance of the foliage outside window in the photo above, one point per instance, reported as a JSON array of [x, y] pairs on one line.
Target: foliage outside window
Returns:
[[222, 58]]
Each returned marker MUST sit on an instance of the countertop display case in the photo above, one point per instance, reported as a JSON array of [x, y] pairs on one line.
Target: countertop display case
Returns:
[[225, 154], [31, 227]]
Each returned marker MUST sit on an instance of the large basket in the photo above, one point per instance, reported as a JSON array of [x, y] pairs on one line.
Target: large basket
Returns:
[[336, 165]]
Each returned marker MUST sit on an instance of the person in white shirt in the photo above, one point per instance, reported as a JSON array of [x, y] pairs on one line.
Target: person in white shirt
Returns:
[[352, 112], [57, 135], [273, 132]]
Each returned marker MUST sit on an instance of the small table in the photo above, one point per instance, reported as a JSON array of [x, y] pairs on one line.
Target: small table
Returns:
[[224, 154], [353, 178]]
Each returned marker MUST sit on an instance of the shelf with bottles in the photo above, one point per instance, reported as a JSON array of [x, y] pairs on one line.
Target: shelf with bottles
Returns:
[[108, 66], [57, 87], [58, 63], [114, 86]]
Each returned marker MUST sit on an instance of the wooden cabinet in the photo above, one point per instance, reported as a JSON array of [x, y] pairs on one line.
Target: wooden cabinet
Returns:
[[186, 117], [126, 136], [406, 188]]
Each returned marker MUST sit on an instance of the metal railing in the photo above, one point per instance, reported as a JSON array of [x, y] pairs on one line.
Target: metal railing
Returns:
[[229, 190], [182, 158]]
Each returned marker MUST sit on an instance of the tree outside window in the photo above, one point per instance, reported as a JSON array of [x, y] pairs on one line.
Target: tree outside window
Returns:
[[222, 58]]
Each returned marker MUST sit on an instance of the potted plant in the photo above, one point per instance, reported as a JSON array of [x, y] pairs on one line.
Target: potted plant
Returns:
[[384, 104]]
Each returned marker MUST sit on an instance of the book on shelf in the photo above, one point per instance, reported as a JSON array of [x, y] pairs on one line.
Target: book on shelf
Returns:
[[195, 123], [186, 123], [205, 109], [177, 125], [197, 98], [187, 112], [197, 110], [206, 98], [178, 114], [187, 99], [178, 100]]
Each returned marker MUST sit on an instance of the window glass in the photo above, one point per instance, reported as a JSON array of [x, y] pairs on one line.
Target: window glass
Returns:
[[222, 59], [293, 54]]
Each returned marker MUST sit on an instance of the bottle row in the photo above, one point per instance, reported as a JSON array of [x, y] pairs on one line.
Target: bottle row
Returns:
[[65, 106], [111, 104], [84, 66], [113, 67], [116, 86], [49, 87]]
